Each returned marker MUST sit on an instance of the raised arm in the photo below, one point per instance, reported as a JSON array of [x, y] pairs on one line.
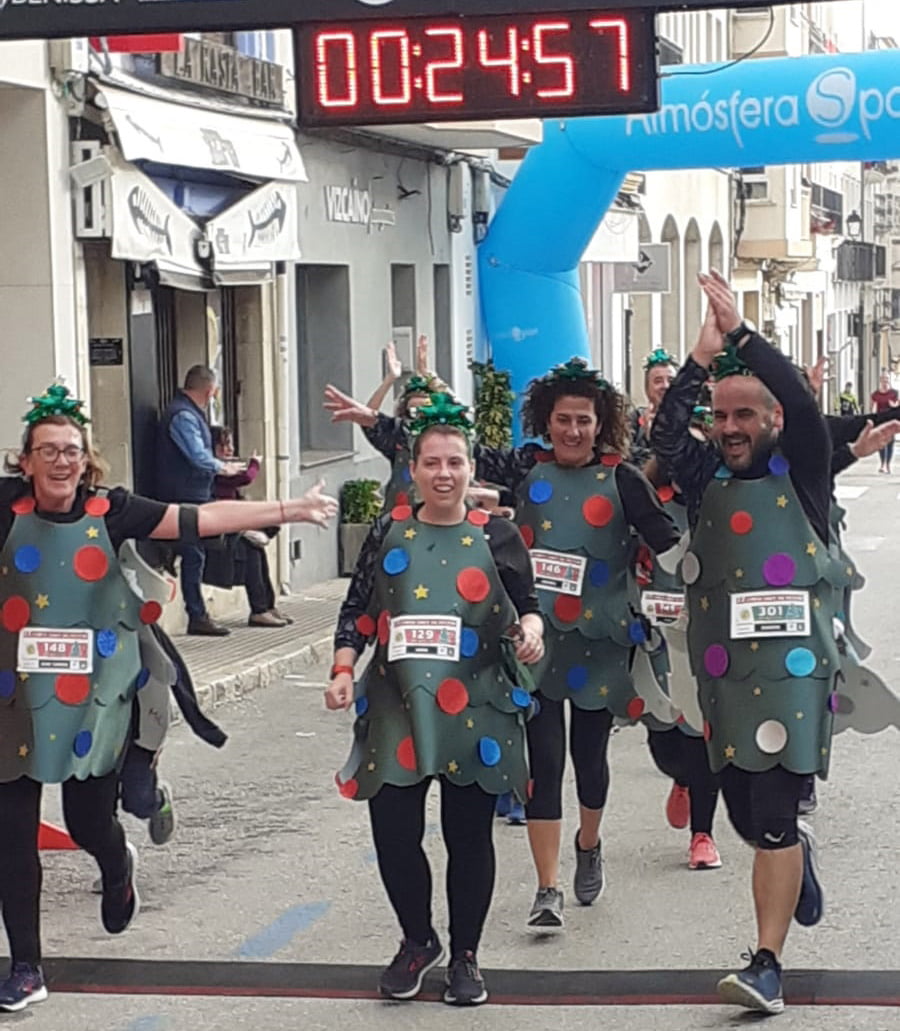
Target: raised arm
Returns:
[[394, 370]]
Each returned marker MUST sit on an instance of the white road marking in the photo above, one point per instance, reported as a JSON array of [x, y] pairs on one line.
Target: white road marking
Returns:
[[855, 544], [844, 493]]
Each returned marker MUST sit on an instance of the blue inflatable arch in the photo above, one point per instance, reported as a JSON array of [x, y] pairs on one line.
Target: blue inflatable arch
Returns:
[[843, 107]]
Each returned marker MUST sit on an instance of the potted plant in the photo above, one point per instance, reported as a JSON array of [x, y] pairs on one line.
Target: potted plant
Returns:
[[361, 503]]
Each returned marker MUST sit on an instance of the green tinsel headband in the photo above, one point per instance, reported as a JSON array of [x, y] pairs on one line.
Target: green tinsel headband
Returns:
[[728, 363], [418, 385], [443, 411], [575, 369], [659, 357], [56, 400]]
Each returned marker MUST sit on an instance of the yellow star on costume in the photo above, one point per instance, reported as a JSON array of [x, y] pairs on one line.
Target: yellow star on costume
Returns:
[[729, 751], [496, 610], [799, 715], [811, 548], [588, 613], [781, 501], [23, 677], [52, 737], [816, 603], [371, 767], [849, 570], [601, 476], [453, 766], [23, 751], [704, 604], [467, 541], [42, 601], [470, 723], [547, 524], [410, 533], [739, 574], [824, 751], [92, 532], [421, 592], [604, 691], [754, 646]]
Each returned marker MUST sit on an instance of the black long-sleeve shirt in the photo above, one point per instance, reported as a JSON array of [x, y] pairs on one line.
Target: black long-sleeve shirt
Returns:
[[387, 436], [642, 508], [507, 549], [805, 440]]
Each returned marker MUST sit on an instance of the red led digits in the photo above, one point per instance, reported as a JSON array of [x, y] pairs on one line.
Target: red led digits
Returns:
[[563, 62], [329, 44], [508, 60], [453, 63], [620, 26], [389, 50]]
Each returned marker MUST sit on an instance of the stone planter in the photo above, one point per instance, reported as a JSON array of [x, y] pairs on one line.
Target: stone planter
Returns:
[[351, 538]]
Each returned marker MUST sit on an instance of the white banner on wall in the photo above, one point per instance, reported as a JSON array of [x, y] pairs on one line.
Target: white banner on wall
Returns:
[[262, 228]]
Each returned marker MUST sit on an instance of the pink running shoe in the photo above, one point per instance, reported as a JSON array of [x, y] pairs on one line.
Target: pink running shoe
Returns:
[[703, 855], [678, 807]]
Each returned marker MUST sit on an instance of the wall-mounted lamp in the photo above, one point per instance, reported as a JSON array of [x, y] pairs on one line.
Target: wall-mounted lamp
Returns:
[[854, 225]]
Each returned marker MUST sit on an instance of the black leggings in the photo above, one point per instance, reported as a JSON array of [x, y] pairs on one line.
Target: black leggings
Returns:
[[762, 806], [90, 813], [467, 821], [685, 760], [588, 744]]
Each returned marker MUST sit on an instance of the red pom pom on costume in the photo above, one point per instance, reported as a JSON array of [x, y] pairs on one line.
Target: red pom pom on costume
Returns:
[[665, 494], [384, 626], [478, 517], [150, 612], [90, 563], [96, 506], [365, 625], [611, 460], [16, 613], [349, 789], [400, 513], [527, 535], [473, 584], [452, 696], [406, 754], [23, 506], [567, 608], [635, 708], [597, 511], [72, 688], [741, 523]]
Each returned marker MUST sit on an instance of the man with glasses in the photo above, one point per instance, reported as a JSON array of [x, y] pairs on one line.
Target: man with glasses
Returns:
[[186, 469]]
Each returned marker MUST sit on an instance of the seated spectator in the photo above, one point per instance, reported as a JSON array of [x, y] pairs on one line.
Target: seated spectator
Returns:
[[242, 559]]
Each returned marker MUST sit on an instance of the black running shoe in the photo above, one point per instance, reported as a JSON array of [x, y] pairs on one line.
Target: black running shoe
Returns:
[[24, 985], [403, 978], [465, 985], [811, 904], [120, 903], [757, 986]]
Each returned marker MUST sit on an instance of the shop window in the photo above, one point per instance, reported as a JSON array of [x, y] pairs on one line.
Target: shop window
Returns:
[[443, 324], [324, 355]]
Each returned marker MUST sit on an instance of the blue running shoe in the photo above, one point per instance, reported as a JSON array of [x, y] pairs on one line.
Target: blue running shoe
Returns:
[[503, 804], [757, 986], [24, 985], [516, 814], [811, 904]]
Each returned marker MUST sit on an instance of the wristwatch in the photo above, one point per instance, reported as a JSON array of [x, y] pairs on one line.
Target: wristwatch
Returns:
[[745, 329]]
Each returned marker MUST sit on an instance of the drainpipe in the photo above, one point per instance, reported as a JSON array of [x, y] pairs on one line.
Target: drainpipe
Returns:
[[281, 370]]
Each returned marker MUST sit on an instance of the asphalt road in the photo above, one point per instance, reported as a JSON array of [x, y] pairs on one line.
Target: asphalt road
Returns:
[[269, 888]]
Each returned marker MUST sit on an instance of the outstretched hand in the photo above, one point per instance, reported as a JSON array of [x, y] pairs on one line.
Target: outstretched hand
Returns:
[[721, 299], [392, 362], [345, 408], [709, 343], [816, 375], [422, 355], [874, 438], [315, 507]]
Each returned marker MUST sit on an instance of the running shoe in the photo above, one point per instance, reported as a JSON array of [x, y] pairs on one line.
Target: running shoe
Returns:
[[703, 854], [588, 873], [121, 903], [811, 904], [465, 985], [516, 815], [503, 804], [403, 978], [546, 916], [24, 985], [757, 986], [808, 803], [678, 807], [161, 825]]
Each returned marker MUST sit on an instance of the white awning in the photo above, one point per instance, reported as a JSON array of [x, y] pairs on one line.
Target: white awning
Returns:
[[149, 129]]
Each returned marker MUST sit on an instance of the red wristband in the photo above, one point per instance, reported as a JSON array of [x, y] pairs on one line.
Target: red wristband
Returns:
[[341, 669]]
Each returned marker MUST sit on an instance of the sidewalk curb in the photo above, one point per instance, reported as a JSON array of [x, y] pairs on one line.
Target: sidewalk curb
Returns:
[[232, 687]]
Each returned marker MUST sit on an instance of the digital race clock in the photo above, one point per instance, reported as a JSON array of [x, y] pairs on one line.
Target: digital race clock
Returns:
[[455, 68]]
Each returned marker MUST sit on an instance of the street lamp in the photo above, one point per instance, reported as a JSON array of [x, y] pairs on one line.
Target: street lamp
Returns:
[[854, 225]]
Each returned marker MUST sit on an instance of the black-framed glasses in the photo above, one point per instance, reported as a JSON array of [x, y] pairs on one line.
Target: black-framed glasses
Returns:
[[50, 452]]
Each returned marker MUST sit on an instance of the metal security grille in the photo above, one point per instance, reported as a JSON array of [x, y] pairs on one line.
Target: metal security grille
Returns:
[[166, 345]]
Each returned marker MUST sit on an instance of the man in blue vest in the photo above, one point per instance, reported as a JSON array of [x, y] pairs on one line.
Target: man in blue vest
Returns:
[[186, 468]]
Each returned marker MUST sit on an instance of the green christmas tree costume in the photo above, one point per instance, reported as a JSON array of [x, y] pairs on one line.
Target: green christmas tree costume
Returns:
[[767, 700], [69, 723], [576, 513], [429, 714]]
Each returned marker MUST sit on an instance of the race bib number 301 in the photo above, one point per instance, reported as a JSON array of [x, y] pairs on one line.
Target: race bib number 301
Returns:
[[555, 571], [770, 614], [45, 650], [425, 637]]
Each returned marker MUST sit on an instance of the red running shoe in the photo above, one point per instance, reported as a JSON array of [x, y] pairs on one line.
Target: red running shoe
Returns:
[[678, 807], [703, 855]]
